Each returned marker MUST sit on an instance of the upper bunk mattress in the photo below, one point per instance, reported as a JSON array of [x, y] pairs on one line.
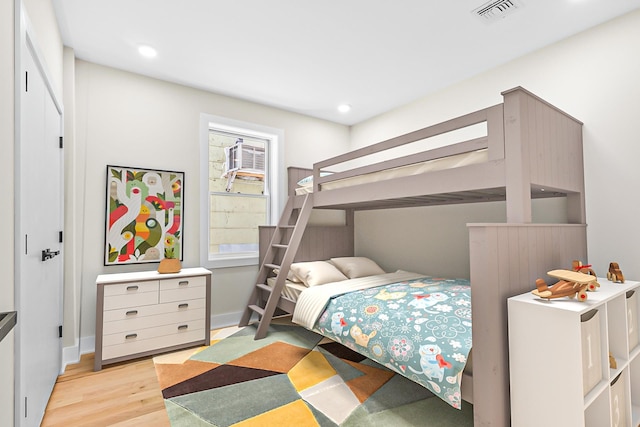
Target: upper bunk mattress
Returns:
[[450, 162]]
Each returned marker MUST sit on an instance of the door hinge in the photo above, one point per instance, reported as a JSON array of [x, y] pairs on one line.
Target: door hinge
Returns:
[[60, 331], [60, 237], [62, 142]]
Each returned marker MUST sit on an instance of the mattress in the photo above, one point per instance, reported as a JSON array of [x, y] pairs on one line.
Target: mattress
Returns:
[[455, 161], [291, 289]]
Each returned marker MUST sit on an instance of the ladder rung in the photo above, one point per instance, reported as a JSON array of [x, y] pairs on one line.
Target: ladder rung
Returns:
[[264, 287], [272, 266], [257, 309], [280, 245], [287, 226]]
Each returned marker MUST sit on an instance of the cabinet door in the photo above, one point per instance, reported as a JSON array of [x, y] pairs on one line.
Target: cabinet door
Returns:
[[591, 350], [632, 318], [619, 412]]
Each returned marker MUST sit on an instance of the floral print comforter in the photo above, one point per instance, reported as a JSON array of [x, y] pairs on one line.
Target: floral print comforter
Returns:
[[420, 328]]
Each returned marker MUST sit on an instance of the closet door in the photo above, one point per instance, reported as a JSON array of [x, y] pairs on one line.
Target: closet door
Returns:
[[39, 223]]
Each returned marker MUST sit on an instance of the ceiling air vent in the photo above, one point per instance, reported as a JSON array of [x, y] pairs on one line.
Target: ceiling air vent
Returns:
[[496, 10]]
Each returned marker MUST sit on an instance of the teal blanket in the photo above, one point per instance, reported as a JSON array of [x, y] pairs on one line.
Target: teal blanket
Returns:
[[419, 328]]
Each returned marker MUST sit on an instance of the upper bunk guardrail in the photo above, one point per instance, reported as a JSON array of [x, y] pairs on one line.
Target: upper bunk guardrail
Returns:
[[493, 141]]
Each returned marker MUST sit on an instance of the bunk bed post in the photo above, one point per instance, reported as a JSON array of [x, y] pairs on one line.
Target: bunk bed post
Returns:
[[544, 148], [518, 182]]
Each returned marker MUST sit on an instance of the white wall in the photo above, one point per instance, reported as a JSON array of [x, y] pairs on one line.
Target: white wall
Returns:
[[130, 120], [594, 76]]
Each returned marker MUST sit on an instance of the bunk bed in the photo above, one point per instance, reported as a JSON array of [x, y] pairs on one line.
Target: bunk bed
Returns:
[[531, 150]]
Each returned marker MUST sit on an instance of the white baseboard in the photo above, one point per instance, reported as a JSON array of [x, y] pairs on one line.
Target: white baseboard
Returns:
[[70, 355], [87, 345], [224, 320]]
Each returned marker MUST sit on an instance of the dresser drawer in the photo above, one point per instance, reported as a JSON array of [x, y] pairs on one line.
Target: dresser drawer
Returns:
[[151, 310], [182, 294], [130, 288], [183, 283], [118, 345], [134, 300], [136, 323]]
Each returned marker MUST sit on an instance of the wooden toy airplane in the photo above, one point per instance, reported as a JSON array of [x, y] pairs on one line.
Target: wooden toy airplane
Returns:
[[615, 274], [570, 284], [586, 269]]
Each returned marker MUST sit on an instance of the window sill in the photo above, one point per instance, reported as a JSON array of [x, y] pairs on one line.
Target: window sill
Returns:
[[235, 260]]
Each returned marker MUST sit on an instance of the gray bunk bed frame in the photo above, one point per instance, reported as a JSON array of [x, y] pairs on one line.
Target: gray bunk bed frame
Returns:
[[534, 151]]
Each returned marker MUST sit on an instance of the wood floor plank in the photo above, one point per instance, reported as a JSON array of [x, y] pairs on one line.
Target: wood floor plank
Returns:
[[126, 394], [121, 394]]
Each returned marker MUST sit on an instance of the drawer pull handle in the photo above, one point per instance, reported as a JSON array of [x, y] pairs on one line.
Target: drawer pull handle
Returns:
[[185, 305], [183, 283], [131, 313], [132, 288], [131, 336], [183, 327]]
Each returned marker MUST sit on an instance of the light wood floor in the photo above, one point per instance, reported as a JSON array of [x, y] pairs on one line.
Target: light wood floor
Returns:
[[125, 394]]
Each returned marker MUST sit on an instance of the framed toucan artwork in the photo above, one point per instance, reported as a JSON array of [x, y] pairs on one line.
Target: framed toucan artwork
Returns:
[[144, 211]]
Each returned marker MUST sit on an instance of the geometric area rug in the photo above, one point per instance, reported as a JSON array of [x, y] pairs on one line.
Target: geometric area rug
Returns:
[[293, 377]]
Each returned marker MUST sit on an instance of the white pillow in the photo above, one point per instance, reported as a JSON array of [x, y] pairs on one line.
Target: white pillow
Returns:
[[290, 276], [315, 273], [354, 267]]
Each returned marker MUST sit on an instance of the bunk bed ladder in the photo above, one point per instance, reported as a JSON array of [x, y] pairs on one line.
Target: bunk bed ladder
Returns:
[[264, 299]]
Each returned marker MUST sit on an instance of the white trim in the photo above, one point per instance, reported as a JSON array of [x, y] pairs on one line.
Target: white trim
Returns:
[[275, 190], [224, 320], [87, 345], [70, 355]]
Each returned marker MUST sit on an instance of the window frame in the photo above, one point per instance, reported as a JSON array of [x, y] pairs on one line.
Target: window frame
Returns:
[[275, 176]]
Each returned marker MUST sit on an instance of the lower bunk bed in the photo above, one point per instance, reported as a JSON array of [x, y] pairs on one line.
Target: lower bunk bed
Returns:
[[415, 325], [505, 260]]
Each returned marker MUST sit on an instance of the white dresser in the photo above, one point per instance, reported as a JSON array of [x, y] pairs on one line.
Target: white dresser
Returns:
[[144, 313], [559, 359]]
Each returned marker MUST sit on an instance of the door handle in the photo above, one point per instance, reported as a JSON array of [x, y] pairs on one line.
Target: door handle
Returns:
[[48, 254]]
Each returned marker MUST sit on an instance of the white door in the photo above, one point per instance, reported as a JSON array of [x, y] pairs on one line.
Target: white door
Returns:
[[39, 221]]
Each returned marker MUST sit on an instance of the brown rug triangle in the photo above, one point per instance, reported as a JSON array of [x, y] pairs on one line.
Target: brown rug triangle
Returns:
[[364, 386], [221, 376], [278, 357], [171, 374], [342, 352]]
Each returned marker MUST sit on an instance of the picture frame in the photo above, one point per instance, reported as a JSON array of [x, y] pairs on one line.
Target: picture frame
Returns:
[[144, 215]]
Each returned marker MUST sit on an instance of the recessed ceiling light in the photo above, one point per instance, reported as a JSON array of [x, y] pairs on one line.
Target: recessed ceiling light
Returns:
[[147, 51], [344, 108]]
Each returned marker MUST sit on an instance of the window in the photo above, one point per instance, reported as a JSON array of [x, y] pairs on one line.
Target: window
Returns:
[[241, 166]]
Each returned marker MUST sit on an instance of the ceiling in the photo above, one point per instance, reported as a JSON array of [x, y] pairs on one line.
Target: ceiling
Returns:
[[310, 56]]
